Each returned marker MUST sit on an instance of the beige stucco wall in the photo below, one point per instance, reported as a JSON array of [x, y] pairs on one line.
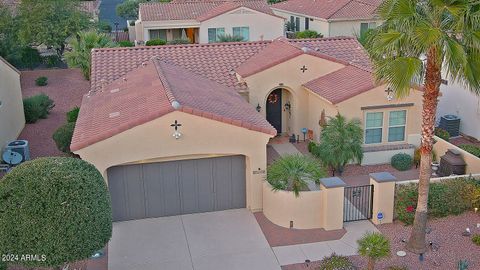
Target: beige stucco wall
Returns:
[[202, 137], [12, 119], [473, 162], [289, 74], [383, 201], [348, 28], [261, 26], [333, 204], [305, 211], [316, 24]]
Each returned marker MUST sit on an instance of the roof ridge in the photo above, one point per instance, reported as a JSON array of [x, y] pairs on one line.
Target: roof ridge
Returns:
[[340, 8], [166, 85], [364, 2]]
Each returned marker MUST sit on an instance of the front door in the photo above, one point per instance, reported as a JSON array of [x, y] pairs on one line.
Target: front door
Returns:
[[274, 109]]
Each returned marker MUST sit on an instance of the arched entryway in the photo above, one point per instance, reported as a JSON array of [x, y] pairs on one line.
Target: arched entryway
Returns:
[[277, 108]]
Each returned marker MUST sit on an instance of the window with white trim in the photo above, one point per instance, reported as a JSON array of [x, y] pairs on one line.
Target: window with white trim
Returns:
[[396, 126], [243, 32], [214, 34], [373, 127]]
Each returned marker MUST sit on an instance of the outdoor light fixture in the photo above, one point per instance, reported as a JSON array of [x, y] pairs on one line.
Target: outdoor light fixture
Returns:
[[288, 106], [259, 108]]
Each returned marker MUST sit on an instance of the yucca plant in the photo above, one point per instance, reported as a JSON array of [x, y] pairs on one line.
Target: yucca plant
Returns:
[[374, 246], [81, 47], [419, 41], [292, 172], [340, 143]]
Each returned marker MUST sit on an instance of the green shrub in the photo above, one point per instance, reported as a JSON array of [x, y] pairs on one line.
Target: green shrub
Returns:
[[448, 197], [155, 42], [3, 265], [54, 202], [41, 81], [63, 137], [37, 107], [374, 246], [51, 60], [476, 239], [311, 146], [307, 34], [104, 26], [29, 58], [442, 133], [402, 161], [179, 41], [336, 262], [472, 149], [72, 115], [126, 43]]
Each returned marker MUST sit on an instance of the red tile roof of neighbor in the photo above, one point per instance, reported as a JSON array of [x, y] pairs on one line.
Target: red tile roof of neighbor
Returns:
[[149, 92], [196, 10], [332, 9], [206, 72], [342, 84]]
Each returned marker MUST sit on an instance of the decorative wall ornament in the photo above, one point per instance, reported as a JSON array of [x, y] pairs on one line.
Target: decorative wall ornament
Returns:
[[323, 120], [176, 134], [272, 98], [303, 69], [389, 92]]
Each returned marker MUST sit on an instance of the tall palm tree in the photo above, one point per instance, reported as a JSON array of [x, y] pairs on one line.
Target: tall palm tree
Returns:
[[81, 47], [417, 41]]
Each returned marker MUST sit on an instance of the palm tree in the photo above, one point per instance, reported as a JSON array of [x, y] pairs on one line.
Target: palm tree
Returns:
[[292, 172], [374, 246], [81, 48], [419, 39], [340, 143]]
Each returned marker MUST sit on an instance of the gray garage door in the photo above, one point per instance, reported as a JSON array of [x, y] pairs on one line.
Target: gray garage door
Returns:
[[177, 187]]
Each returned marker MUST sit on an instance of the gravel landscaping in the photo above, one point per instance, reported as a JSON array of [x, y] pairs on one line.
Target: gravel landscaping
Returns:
[[448, 246]]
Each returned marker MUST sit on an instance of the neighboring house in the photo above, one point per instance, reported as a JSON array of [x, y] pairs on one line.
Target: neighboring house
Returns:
[[204, 22], [330, 17], [459, 101], [12, 118], [184, 128]]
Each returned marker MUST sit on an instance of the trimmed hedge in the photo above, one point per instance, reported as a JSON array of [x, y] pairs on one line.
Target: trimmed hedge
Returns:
[[472, 149], [63, 137], [126, 43], [41, 81], [56, 206], [155, 42], [72, 115], [37, 107], [442, 133], [307, 34], [402, 161], [448, 197], [179, 41]]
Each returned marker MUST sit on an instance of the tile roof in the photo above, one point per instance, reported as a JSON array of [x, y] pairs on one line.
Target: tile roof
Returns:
[[149, 92], [196, 10], [332, 9], [10, 4], [342, 84]]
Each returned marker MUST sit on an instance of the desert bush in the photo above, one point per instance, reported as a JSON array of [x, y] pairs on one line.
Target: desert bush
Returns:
[[373, 246], [472, 149], [51, 60], [54, 202], [448, 197], [179, 41], [311, 146], [307, 34], [442, 133], [72, 115], [402, 161], [63, 137], [126, 43], [37, 107], [41, 81], [155, 42], [476, 239], [336, 262]]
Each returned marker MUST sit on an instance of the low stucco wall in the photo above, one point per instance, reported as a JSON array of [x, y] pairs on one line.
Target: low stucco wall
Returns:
[[382, 157], [442, 146], [281, 207]]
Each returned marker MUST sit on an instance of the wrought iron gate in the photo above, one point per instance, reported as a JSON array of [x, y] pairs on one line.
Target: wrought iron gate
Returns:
[[358, 203]]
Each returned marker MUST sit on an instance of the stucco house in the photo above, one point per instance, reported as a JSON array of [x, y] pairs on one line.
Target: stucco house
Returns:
[[330, 18], [12, 118], [205, 21], [181, 129]]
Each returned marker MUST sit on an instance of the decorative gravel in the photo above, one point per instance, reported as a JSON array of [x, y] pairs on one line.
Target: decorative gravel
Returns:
[[449, 246]]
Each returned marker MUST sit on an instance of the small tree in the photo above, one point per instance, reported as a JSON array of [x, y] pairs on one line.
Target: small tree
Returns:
[[292, 173], [82, 45], [340, 143], [55, 207], [374, 246]]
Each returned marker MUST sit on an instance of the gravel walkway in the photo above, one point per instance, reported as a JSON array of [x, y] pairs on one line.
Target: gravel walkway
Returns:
[[66, 87]]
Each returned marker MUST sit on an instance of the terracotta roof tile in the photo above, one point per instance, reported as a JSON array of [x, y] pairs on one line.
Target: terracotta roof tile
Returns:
[[147, 93], [342, 84], [331, 9]]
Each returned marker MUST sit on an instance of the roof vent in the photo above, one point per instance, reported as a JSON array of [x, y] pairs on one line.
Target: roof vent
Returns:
[[231, 72], [317, 49], [124, 79], [144, 64], [304, 49], [114, 114], [114, 90], [175, 105]]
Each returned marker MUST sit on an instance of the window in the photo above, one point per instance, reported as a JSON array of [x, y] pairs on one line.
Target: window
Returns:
[[158, 34], [297, 24], [243, 32], [373, 127], [307, 23], [364, 27], [396, 126], [214, 33]]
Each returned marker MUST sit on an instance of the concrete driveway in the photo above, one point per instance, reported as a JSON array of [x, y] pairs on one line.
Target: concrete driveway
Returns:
[[221, 240]]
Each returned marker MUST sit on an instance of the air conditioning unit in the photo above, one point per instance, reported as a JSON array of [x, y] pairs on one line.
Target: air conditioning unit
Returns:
[[21, 147], [450, 123]]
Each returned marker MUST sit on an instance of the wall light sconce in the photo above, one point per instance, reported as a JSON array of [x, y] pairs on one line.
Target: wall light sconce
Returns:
[[259, 108], [287, 106]]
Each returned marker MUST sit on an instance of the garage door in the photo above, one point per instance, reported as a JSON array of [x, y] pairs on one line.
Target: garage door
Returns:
[[177, 187]]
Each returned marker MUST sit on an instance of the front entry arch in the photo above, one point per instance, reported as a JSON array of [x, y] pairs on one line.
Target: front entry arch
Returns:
[[274, 109]]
